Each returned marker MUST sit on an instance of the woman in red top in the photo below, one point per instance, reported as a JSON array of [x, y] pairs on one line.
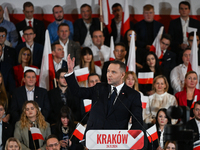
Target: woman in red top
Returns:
[[25, 59]]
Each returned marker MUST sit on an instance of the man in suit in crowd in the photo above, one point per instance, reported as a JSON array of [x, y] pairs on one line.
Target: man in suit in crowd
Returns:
[[60, 96], [28, 10], [70, 47], [120, 53], [29, 92], [59, 18], [53, 142], [148, 28], [36, 48], [116, 24], [108, 111], [178, 28]]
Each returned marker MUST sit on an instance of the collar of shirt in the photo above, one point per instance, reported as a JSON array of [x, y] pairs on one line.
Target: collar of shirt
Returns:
[[119, 87], [55, 63], [183, 66], [198, 123], [3, 22], [59, 22], [30, 47], [183, 21], [2, 56], [31, 90], [27, 20], [63, 45], [87, 24], [164, 51]]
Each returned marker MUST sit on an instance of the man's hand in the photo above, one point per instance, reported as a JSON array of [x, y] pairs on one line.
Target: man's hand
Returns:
[[70, 63]]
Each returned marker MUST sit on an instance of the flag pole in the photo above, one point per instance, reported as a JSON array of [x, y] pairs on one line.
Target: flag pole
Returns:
[[34, 144], [101, 23]]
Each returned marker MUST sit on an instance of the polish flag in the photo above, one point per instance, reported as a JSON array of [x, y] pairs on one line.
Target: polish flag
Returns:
[[196, 145], [87, 104], [112, 48], [47, 73], [106, 15], [144, 100], [37, 72], [81, 74], [125, 19], [153, 132], [97, 60], [190, 29], [145, 77], [79, 131], [131, 57], [36, 134], [6, 14], [195, 100]]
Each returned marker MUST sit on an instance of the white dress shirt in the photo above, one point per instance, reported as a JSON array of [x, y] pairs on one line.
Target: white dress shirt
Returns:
[[57, 66], [198, 125], [27, 20], [118, 26], [65, 47], [88, 39], [30, 94], [184, 28]]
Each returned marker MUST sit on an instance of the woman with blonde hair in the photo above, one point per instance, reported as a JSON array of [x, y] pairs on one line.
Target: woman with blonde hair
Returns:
[[131, 80], [31, 117], [13, 144]]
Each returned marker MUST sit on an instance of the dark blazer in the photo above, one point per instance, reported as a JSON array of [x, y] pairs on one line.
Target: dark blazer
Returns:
[[38, 27], [141, 30], [191, 124], [7, 132], [9, 55], [20, 96], [115, 118], [37, 53]]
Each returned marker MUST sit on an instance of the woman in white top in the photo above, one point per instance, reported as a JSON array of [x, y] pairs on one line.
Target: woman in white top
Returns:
[[86, 60], [160, 99]]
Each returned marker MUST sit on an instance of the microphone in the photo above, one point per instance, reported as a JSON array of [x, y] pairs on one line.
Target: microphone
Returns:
[[137, 120]]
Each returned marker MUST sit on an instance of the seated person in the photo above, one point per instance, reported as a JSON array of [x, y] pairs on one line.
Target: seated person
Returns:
[[13, 143], [52, 141]]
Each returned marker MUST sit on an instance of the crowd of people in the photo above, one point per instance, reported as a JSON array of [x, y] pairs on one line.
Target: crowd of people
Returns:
[[82, 44]]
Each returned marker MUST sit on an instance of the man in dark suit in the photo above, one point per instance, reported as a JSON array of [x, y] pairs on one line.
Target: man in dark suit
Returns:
[[28, 10], [60, 96], [36, 48], [148, 28], [178, 28], [29, 92], [108, 99], [70, 47]]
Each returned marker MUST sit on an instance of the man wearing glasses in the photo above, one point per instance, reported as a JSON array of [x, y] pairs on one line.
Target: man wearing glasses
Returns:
[[52, 143]]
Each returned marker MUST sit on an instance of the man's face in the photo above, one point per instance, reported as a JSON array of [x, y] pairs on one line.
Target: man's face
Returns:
[[58, 52], [30, 79], [61, 81], [58, 13], [28, 12], [53, 144], [29, 35], [86, 13], [186, 57], [98, 38], [114, 75], [148, 15], [93, 80], [119, 52], [184, 10], [164, 44], [63, 32], [1, 12], [190, 40], [2, 37], [117, 12], [196, 112]]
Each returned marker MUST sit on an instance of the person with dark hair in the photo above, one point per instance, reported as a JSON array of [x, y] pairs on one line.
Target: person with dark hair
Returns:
[[64, 129], [52, 141], [28, 10], [36, 48], [93, 79], [12, 37], [62, 96], [85, 26], [58, 14], [178, 28], [70, 47]]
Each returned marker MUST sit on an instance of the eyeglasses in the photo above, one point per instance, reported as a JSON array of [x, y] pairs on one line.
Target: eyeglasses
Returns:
[[51, 145], [26, 54], [26, 34], [3, 35]]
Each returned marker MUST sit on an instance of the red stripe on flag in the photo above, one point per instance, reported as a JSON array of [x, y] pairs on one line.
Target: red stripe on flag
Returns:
[[98, 63], [88, 107], [82, 77], [139, 144], [37, 136], [109, 18], [189, 67], [51, 72], [145, 81], [196, 148], [154, 137], [144, 105], [152, 49], [111, 59], [125, 26], [78, 134]]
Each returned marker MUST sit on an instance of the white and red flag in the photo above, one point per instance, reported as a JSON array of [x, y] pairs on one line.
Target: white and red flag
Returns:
[[47, 73], [131, 58], [112, 48], [153, 133], [125, 19], [145, 77], [194, 101], [196, 145], [87, 104], [106, 14], [81, 74], [79, 131], [144, 100], [190, 29], [97, 60], [36, 134], [6, 14]]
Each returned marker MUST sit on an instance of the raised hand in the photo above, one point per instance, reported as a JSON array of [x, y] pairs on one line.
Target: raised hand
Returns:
[[70, 63]]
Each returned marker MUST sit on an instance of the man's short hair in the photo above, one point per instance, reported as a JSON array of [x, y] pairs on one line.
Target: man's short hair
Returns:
[[116, 5], [184, 3], [120, 44], [93, 74], [60, 71], [29, 70], [148, 7], [192, 34], [86, 5], [166, 36], [28, 28], [56, 6], [52, 136], [27, 4], [53, 46], [2, 29], [63, 24], [198, 102], [122, 66], [95, 31]]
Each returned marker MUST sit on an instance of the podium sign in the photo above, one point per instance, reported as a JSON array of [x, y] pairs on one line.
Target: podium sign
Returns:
[[114, 139]]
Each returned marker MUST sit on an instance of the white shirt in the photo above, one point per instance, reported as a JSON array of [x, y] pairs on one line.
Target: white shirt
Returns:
[[161, 138], [31, 48], [27, 20], [184, 28], [118, 26], [30, 94], [2, 56], [119, 87], [198, 125], [57, 66], [65, 47], [88, 39]]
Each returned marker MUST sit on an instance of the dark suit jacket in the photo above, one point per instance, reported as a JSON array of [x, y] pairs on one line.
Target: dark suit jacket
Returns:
[[115, 118], [7, 132], [20, 96], [9, 55], [141, 30], [38, 27], [37, 53], [191, 124]]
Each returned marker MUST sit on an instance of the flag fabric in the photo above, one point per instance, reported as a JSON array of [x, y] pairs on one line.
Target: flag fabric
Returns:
[[79, 131], [153, 133], [47, 73], [87, 104], [112, 48], [125, 19], [131, 58], [97, 60], [195, 100], [145, 77], [144, 100], [190, 29], [196, 145], [81, 74], [36, 134], [106, 14], [6, 14]]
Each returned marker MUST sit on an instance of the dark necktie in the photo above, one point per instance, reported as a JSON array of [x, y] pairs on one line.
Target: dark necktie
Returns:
[[112, 98]]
